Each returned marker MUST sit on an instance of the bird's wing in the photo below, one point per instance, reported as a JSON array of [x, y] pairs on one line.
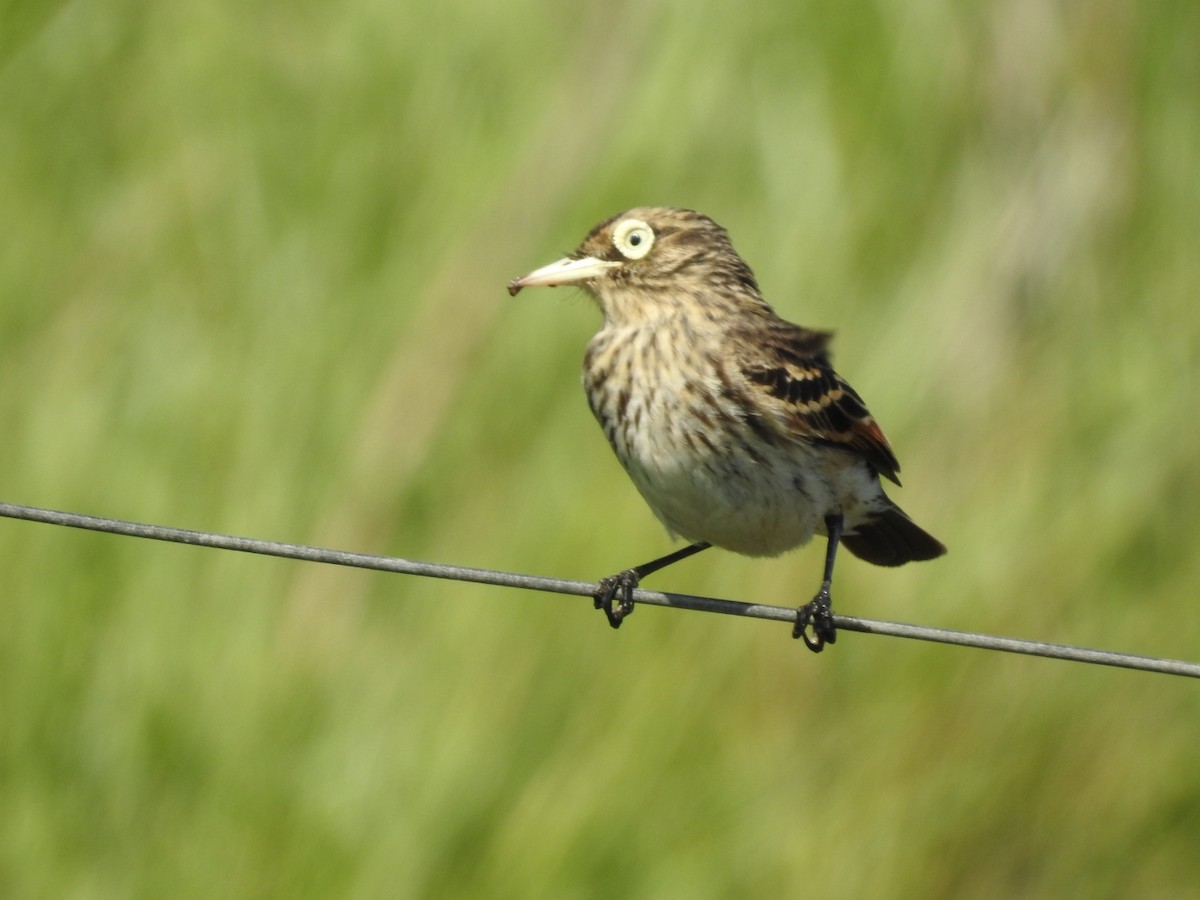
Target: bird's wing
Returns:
[[789, 368]]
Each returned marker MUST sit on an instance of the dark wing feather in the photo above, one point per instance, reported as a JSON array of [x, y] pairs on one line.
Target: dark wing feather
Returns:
[[791, 364]]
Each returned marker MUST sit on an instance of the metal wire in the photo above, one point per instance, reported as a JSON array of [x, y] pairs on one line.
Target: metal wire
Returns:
[[585, 589]]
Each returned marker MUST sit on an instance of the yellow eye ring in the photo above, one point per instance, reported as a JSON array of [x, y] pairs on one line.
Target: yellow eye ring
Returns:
[[633, 238]]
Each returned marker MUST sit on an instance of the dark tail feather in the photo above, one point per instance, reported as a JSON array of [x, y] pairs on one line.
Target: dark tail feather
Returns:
[[892, 539]]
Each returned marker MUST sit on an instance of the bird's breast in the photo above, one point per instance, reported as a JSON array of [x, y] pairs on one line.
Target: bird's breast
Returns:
[[710, 465], [658, 402]]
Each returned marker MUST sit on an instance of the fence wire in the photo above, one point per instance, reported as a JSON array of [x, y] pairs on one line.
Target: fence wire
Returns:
[[585, 589]]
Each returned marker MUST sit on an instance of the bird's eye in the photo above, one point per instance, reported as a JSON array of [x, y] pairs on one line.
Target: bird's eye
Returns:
[[633, 238]]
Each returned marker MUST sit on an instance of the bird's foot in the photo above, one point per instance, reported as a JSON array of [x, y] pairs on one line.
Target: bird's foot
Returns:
[[614, 595], [816, 615]]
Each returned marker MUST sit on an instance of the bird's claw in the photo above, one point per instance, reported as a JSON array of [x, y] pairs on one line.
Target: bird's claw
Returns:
[[614, 595], [817, 615]]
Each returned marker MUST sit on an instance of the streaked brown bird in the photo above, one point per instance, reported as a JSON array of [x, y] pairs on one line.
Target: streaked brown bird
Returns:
[[731, 421]]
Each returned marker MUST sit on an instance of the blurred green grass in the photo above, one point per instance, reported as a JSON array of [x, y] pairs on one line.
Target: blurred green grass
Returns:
[[252, 280]]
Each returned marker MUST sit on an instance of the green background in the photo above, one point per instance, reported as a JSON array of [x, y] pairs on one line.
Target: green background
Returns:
[[252, 271]]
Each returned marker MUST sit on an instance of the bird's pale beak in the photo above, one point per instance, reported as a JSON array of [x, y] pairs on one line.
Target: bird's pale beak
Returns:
[[565, 271]]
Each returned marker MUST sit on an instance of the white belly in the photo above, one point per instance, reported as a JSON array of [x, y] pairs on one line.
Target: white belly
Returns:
[[755, 507]]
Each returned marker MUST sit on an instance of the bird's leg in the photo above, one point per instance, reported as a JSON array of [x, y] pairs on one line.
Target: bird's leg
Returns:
[[817, 613], [614, 594]]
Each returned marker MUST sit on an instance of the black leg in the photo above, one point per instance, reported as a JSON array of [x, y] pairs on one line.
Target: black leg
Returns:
[[619, 587], [817, 613]]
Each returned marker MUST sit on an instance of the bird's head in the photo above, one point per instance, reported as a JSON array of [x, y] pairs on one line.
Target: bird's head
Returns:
[[649, 261]]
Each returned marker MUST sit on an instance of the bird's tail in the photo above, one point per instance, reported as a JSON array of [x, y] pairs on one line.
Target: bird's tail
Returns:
[[891, 538]]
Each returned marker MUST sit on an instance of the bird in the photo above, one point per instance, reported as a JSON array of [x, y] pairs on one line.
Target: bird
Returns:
[[731, 421]]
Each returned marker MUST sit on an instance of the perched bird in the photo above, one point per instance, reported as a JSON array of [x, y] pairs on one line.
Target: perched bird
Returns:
[[731, 421]]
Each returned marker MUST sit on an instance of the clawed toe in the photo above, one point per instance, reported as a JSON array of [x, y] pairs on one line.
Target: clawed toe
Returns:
[[814, 622], [614, 595]]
